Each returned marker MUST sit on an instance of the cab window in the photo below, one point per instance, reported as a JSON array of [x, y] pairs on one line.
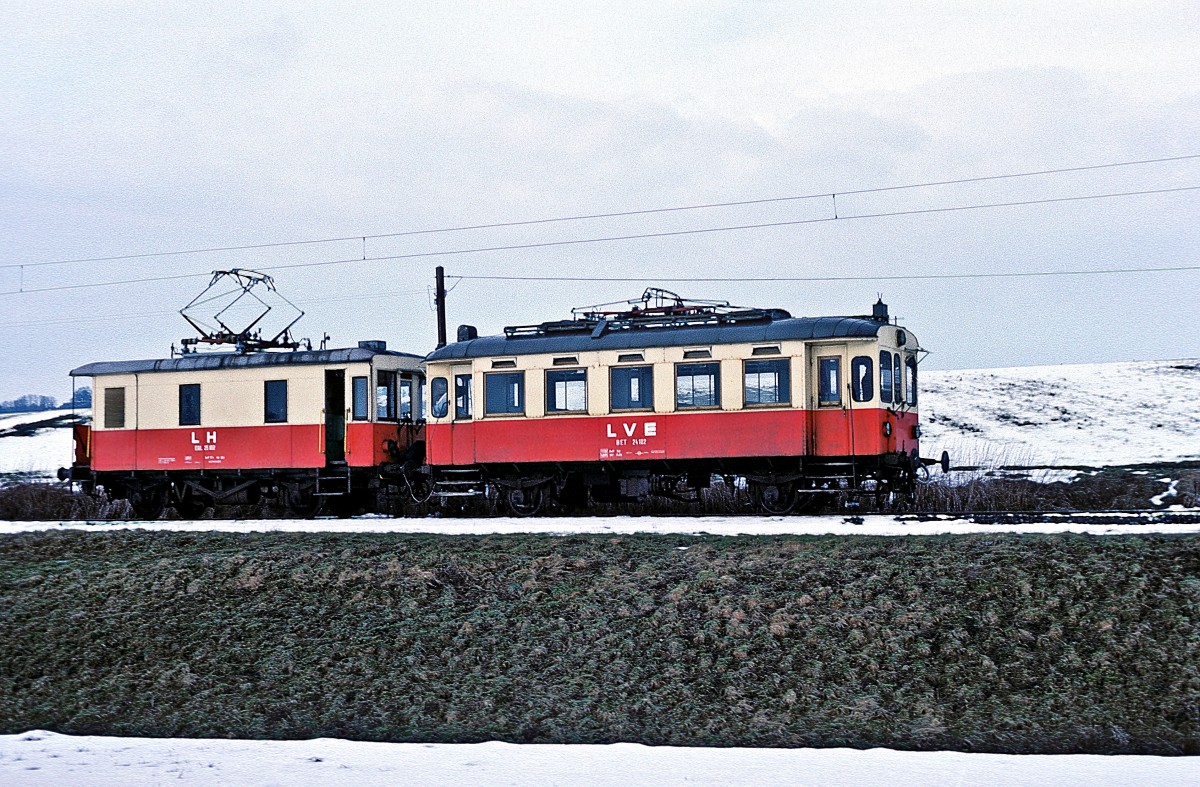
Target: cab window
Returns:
[[385, 396], [862, 378], [885, 377], [439, 397]]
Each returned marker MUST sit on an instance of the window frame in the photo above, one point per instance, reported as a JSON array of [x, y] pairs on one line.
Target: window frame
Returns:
[[189, 388], [110, 397], [464, 397], [911, 365], [822, 401], [783, 383], [439, 401], [716, 391], [278, 417], [886, 386], [862, 386], [505, 379], [568, 376], [360, 386], [645, 377], [388, 382]]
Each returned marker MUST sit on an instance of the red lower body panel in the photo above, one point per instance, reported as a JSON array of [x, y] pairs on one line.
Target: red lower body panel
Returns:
[[657, 436], [282, 446]]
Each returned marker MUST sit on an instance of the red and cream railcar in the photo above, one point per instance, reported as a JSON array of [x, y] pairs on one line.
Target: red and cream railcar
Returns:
[[228, 427], [657, 401]]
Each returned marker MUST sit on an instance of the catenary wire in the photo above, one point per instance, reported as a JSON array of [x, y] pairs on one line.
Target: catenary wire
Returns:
[[614, 238], [883, 277], [592, 216]]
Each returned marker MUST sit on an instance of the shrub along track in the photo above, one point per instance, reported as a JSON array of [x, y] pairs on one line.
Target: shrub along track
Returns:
[[1013, 643]]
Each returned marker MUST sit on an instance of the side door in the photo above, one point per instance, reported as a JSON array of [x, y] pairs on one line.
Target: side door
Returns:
[[462, 410], [335, 417], [828, 395]]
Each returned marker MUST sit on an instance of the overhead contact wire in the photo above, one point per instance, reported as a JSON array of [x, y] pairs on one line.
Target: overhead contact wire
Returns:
[[610, 215]]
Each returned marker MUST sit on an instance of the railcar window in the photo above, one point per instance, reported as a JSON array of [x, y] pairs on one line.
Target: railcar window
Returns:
[[275, 402], [829, 389], [862, 378], [439, 397], [897, 379], [114, 408], [767, 382], [698, 385], [772, 349], [462, 396], [911, 363], [385, 395], [885, 377], [566, 391], [406, 400], [189, 404], [630, 357], [504, 394], [632, 388], [358, 396]]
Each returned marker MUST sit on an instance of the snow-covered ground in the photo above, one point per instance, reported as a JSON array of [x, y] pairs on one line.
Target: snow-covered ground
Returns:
[[868, 525], [43, 758]]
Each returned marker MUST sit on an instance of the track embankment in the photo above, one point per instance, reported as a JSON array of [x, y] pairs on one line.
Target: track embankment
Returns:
[[996, 642]]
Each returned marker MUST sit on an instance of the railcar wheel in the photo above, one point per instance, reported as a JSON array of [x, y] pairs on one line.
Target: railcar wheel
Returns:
[[148, 502], [525, 502], [188, 503], [776, 499], [301, 502]]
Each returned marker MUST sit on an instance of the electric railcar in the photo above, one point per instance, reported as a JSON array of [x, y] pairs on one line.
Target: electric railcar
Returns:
[[304, 426], [659, 399]]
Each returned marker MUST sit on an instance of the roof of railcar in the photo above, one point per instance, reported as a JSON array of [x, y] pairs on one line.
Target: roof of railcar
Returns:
[[587, 340], [211, 361]]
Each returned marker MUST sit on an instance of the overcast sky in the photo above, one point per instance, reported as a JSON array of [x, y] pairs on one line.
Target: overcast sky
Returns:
[[132, 128]]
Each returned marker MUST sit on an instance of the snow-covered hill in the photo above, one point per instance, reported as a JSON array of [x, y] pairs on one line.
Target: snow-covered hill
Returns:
[[1060, 416], [1086, 414], [35, 445]]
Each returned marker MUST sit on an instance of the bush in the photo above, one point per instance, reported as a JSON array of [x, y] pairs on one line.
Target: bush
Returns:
[[1015, 643], [43, 501]]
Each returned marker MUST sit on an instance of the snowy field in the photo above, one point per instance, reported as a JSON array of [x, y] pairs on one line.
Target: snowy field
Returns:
[[43, 758], [1095, 415], [868, 525]]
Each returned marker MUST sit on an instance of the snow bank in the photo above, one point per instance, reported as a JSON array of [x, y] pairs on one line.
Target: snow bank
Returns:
[[45, 758], [871, 525]]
